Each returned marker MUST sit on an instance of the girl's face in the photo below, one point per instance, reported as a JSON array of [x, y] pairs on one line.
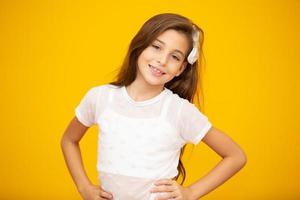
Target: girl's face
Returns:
[[164, 58]]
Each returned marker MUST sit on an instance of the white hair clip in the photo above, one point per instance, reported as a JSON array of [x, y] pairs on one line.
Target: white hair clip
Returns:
[[193, 56]]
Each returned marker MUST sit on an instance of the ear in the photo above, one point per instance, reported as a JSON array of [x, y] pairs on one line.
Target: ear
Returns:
[[182, 68]]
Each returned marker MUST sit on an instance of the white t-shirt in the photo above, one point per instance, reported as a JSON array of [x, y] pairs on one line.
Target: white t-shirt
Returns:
[[139, 141]]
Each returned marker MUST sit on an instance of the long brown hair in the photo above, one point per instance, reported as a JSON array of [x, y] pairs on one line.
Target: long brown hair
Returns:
[[188, 83]]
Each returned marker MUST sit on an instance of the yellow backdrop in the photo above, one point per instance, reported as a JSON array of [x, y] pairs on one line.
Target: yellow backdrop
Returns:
[[52, 52]]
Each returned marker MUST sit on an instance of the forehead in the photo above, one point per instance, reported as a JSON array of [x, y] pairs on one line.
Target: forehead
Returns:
[[174, 40]]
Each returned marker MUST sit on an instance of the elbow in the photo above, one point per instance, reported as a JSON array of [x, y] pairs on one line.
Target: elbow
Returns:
[[241, 158], [238, 158], [65, 140]]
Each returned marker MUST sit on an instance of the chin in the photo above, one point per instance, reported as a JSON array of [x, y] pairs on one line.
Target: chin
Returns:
[[153, 82]]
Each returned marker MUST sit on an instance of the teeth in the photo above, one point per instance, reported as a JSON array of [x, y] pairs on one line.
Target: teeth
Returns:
[[157, 70]]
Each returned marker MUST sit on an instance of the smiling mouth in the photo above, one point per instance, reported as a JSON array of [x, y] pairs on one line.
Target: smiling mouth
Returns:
[[157, 71]]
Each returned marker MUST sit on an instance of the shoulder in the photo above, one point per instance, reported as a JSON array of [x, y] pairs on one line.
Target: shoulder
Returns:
[[184, 106], [177, 100], [102, 92], [93, 93]]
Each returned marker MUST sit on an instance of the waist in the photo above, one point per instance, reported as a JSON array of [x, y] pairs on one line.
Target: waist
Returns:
[[127, 187]]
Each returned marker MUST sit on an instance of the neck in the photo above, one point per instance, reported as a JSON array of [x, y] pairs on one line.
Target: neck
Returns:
[[141, 92]]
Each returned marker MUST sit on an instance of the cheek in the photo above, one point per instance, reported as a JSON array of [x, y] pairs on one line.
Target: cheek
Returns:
[[173, 69], [146, 55], [142, 59]]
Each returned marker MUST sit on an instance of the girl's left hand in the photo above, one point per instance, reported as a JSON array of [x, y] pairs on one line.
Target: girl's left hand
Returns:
[[171, 189]]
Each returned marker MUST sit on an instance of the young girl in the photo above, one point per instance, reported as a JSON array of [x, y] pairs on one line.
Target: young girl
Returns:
[[146, 118]]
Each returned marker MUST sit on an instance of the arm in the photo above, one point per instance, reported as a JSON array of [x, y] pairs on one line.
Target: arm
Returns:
[[234, 158], [71, 151]]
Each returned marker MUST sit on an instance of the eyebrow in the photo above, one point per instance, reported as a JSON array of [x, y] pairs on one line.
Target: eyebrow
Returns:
[[175, 49]]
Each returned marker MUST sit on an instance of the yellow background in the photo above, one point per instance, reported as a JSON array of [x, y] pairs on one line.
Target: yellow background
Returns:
[[52, 52]]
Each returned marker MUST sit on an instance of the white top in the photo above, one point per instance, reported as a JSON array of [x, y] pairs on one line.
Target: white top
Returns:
[[139, 141]]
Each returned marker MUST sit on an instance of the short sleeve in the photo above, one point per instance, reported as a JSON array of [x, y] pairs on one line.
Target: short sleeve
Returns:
[[193, 123], [86, 110]]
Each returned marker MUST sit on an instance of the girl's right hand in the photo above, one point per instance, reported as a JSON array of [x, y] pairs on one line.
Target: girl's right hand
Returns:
[[95, 192]]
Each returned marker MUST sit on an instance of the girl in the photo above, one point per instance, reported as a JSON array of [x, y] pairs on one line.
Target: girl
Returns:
[[147, 117]]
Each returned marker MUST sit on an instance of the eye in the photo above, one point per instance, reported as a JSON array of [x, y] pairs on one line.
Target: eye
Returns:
[[155, 46], [175, 57]]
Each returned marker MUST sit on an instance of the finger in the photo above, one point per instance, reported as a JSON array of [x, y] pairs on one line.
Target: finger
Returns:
[[104, 190], [164, 181], [165, 196], [105, 194], [163, 188]]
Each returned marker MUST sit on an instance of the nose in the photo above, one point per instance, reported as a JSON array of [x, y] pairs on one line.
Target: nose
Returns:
[[162, 58]]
